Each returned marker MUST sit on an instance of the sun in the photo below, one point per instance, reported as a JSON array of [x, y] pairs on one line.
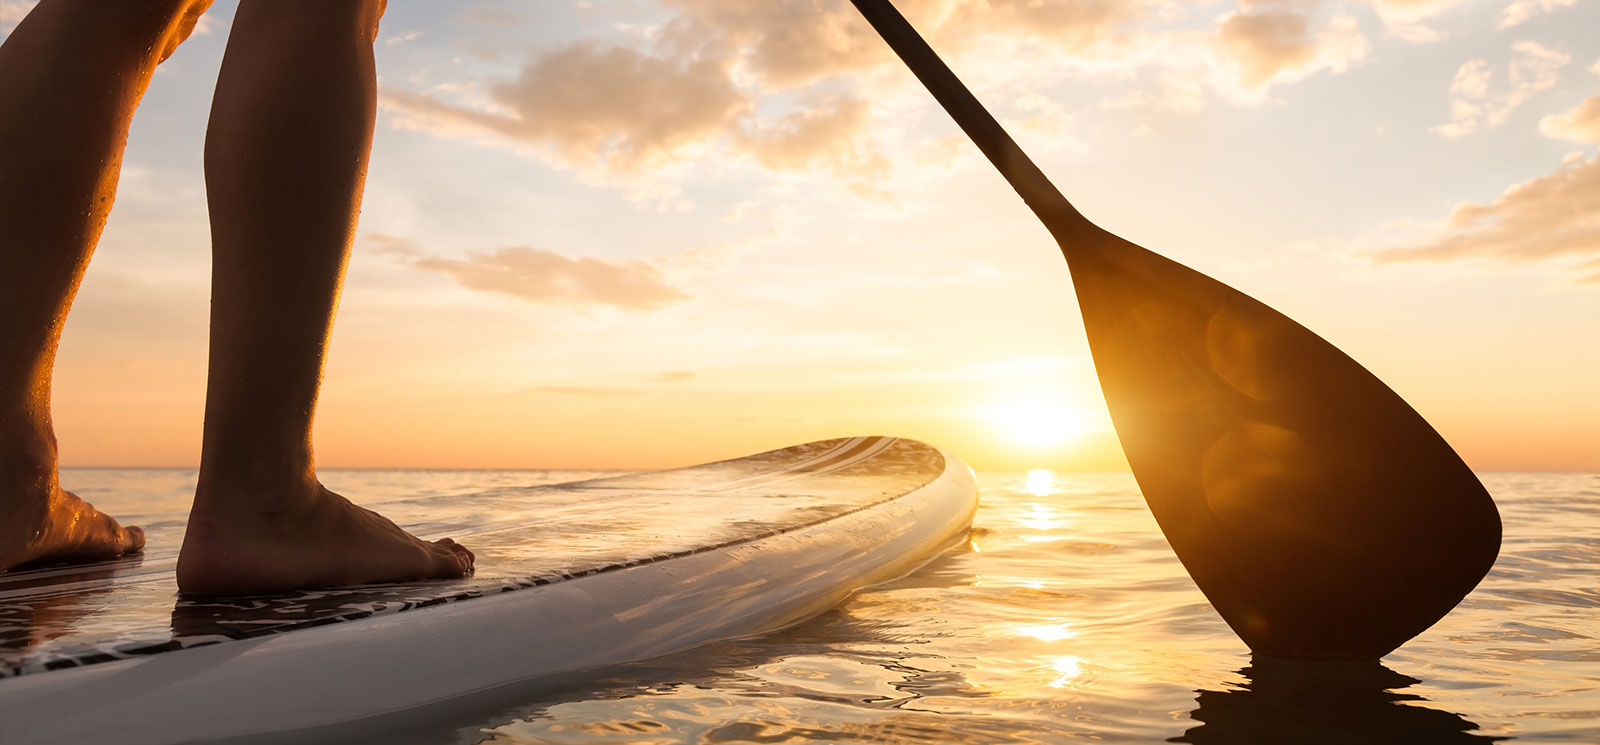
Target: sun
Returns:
[[1039, 420]]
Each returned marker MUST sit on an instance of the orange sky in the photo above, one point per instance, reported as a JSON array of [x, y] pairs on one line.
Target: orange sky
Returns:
[[648, 235]]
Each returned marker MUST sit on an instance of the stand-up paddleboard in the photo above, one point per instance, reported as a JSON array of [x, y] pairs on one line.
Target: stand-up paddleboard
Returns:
[[570, 577]]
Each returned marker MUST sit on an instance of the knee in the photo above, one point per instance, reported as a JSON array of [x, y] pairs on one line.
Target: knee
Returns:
[[186, 15], [365, 14], [141, 25]]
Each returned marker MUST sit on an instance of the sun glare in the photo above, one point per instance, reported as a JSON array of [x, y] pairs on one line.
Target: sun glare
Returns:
[[1052, 632], [1067, 668], [1041, 482], [1039, 421]]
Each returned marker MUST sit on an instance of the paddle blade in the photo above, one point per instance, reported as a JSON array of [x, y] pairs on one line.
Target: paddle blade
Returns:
[[1317, 511]]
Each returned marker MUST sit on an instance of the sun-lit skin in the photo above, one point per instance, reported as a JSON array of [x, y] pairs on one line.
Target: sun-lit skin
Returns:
[[884, 282]]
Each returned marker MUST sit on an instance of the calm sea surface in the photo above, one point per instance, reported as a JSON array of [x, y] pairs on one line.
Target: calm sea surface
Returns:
[[1066, 618]]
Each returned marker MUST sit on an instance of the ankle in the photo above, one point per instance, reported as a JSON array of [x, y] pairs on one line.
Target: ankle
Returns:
[[26, 448], [261, 487], [28, 480]]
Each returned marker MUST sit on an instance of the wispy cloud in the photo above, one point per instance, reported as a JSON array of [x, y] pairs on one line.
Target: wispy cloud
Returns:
[[546, 277], [1475, 103], [12, 12], [1279, 46], [794, 86], [828, 133], [1406, 19], [1551, 216], [402, 38], [1580, 124], [590, 106], [1520, 11]]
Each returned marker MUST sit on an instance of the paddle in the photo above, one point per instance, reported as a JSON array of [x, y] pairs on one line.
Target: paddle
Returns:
[[1317, 511]]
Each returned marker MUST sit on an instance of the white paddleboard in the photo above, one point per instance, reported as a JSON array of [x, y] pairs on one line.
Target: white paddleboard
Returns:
[[570, 577]]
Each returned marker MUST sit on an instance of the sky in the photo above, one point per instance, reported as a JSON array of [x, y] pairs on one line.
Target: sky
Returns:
[[634, 234]]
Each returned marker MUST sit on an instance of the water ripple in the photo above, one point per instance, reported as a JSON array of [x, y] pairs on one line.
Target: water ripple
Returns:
[[1068, 618]]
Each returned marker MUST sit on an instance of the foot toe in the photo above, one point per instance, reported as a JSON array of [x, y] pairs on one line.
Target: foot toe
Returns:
[[466, 555], [134, 541], [461, 550], [451, 559]]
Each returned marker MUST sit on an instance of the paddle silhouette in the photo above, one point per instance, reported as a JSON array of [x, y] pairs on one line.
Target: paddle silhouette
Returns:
[[1317, 511]]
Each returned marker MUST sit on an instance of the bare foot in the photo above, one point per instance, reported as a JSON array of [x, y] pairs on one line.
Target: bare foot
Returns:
[[40, 522], [234, 546]]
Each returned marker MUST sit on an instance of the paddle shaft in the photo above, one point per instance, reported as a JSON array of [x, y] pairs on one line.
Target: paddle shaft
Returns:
[[1041, 196]]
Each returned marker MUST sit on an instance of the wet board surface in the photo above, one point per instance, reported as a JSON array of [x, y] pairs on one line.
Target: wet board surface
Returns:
[[652, 543]]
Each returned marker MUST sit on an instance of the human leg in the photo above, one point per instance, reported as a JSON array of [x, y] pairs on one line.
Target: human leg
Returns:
[[286, 156], [71, 75]]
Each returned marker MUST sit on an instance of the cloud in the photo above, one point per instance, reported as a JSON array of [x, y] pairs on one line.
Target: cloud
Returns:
[[1581, 124], [1520, 11], [672, 376], [587, 106], [1416, 33], [1276, 46], [1175, 93], [1047, 119], [402, 38], [12, 12], [790, 43], [782, 43], [621, 112], [1403, 19], [1074, 23], [549, 278], [827, 133], [1473, 102], [1554, 215], [713, 83], [392, 245], [1469, 91]]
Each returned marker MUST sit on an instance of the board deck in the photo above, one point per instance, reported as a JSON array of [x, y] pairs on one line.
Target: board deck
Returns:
[[629, 546]]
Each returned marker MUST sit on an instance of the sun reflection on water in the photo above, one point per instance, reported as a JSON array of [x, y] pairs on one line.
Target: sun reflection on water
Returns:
[[1041, 482], [1042, 517], [1068, 669], [1050, 632]]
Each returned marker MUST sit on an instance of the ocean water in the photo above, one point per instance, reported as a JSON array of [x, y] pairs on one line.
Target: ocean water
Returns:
[[1065, 618]]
